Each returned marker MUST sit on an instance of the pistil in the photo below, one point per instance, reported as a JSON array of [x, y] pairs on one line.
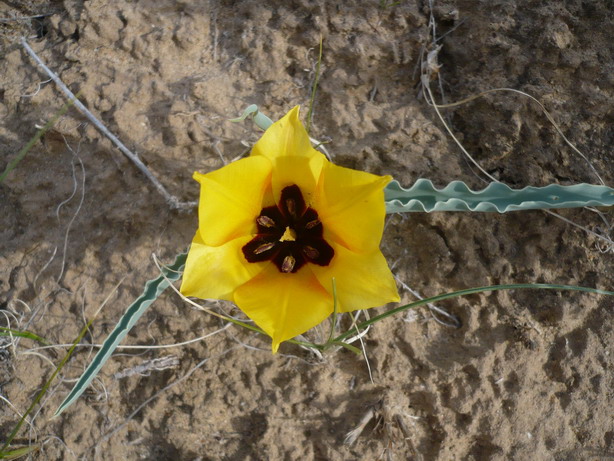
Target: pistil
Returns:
[[289, 235]]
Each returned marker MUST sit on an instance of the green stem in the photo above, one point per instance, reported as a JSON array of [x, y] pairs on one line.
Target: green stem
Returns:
[[466, 292]]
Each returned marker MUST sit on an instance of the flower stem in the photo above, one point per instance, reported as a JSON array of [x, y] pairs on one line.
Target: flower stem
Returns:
[[466, 292]]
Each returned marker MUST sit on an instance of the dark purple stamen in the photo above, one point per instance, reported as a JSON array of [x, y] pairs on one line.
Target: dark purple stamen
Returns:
[[289, 234]]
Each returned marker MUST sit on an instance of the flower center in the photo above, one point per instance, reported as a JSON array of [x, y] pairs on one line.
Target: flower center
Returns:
[[290, 235]]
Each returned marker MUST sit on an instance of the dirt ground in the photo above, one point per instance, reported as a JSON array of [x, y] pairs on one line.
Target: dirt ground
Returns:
[[529, 375]]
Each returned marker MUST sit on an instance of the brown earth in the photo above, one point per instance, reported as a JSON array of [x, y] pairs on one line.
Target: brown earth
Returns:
[[529, 374]]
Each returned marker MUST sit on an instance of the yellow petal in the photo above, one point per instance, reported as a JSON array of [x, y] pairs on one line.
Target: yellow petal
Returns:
[[351, 206], [362, 280], [284, 305], [215, 272], [286, 136], [302, 171], [231, 199]]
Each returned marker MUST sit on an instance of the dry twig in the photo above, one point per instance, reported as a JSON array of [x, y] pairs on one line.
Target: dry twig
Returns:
[[173, 201]]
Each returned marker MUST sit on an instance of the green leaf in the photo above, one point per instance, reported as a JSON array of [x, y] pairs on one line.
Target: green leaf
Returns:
[[153, 289], [259, 118], [423, 196]]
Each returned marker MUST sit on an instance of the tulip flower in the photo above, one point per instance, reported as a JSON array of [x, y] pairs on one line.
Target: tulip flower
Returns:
[[277, 227]]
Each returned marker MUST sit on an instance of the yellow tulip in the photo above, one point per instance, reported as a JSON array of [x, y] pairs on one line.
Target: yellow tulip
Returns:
[[276, 227]]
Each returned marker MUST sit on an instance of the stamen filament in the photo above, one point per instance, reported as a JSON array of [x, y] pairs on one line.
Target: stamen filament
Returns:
[[291, 207], [311, 252]]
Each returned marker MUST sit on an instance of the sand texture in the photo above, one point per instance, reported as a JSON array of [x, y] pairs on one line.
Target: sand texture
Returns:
[[528, 375]]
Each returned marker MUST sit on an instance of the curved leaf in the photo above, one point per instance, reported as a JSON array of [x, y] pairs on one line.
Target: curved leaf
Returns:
[[259, 118], [423, 196], [153, 289]]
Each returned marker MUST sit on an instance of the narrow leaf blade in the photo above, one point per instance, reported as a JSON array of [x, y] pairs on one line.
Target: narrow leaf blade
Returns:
[[153, 289]]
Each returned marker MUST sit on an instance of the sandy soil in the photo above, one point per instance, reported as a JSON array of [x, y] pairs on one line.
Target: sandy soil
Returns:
[[529, 375]]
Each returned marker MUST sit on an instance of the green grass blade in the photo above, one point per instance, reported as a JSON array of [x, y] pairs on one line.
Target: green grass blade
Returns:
[[153, 289], [347, 346], [43, 391], [22, 334], [39, 134], [17, 453], [468, 291], [423, 196]]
